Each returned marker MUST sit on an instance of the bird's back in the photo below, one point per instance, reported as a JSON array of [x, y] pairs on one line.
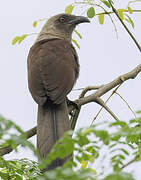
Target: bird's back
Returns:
[[52, 70]]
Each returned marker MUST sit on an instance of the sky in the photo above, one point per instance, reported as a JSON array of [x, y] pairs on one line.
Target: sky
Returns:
[[102, 57]]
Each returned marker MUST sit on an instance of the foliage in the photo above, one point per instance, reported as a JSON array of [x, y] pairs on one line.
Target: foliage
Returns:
[[122, 143], [99, 8], [9, 137]]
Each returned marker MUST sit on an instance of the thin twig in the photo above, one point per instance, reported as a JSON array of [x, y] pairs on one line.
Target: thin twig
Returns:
[[103, 104], [127, 104], [130, 162], [114, 25], [131, 35], [111, 12], [88, 88]]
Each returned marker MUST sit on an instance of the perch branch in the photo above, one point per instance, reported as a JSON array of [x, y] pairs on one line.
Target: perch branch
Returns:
[[107, 87], [76, 112], [88, 88], [85, 100]]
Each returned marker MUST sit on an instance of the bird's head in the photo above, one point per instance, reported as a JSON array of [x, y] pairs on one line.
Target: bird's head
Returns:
[[61, 26]]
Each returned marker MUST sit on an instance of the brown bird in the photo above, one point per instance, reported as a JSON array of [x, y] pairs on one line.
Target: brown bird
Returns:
[[53, 69]]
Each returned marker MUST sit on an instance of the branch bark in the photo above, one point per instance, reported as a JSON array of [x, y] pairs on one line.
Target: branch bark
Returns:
[[88, 99], [103, 104], [8, 149], [107, 87]]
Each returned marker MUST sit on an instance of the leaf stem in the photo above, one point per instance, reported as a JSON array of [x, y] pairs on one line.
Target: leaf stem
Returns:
[[131, 35]]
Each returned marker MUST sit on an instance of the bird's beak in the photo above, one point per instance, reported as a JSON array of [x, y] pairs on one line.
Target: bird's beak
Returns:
[[78, 20]]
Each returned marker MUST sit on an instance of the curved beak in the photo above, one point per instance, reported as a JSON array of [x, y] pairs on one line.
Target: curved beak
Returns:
[[78, 20]]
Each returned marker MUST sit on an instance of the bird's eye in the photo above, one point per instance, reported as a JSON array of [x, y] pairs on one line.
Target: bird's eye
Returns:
[[62, 19]]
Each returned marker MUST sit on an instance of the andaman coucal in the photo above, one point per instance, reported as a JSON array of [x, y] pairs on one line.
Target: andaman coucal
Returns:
[[53, 69]]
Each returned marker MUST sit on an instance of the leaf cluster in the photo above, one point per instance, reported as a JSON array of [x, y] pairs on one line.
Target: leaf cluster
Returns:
[[85, 145]]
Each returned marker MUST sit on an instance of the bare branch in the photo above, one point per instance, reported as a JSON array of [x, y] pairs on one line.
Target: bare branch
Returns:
[[111, 12], [89, 88], [127, 104], [76, 112], [107, 87], [85, 100], [103, 104]]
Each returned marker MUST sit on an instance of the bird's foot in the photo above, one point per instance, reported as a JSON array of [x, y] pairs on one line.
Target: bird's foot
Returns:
[[69, 102]]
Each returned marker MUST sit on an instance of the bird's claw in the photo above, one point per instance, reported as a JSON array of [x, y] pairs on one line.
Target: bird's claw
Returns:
[[69, 102]]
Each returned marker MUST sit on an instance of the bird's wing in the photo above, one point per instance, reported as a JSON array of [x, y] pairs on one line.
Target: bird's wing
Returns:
[[54, 68]]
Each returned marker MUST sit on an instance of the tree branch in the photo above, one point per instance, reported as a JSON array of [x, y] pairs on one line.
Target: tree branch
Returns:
[[76, 112], [131, 35], [107, 87], [103, 104], [8, 149], [85, 100], [106, 102], [127, 104], [130, 162], [111, 12]]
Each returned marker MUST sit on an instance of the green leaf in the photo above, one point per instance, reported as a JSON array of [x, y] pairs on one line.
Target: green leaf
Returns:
[[19, 39], [116, 137], [111, 1], [118, 156], [69, 9], [75, 42], [91, 158], [129, 20], [84, 164], [124, 151], [119, 123], [4, 176], [130, 10], [15, 40], [87, 131], [138, 112], [106, 3], [121, 10], [78, 34], [121, 149], [101, 18], [119, 176], [34, 23], [91, 12], [22, 38], [103, 135], [120, 13], [93, 170]]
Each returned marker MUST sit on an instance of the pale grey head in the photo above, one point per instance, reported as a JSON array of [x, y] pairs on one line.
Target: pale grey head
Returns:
[[60, 26]]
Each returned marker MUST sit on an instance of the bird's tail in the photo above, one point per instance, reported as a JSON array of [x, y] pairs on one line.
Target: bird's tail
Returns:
[[52, 122]]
